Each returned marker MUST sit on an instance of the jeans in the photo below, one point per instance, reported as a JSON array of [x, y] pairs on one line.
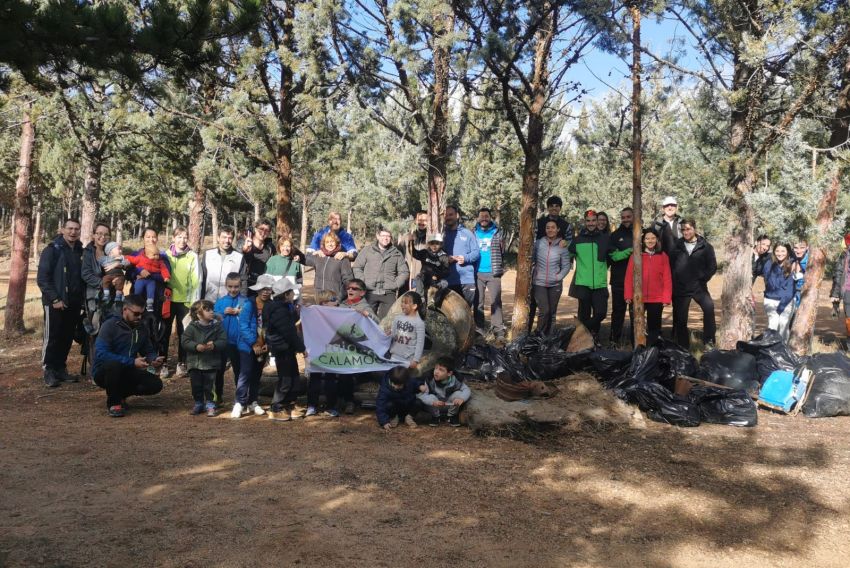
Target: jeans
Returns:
[[681, 305], [121, 381], [231, 353], [486, 281], [547, 298], [147, 286], [287, 375], [202, 385], [248, 382]]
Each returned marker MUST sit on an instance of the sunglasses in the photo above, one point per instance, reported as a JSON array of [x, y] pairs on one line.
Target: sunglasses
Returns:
[[354, 289]]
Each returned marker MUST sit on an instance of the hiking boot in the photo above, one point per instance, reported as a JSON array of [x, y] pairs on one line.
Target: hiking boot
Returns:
[[197, 409], [282, 415], [410, 421], [256, 409], [236, 413], [66, 377], [211, 413], [181, 371], [311, 411], [454, 421], [435, 421], [51, 379], [115, 411], [297, 412], [349, 407]]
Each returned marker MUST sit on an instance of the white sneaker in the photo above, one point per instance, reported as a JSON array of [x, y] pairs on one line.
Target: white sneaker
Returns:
[[256, 409], [181, 371], [237, 411], [163, 373]]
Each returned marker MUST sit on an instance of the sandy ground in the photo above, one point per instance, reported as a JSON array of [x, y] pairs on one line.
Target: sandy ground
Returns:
[[162, 488]]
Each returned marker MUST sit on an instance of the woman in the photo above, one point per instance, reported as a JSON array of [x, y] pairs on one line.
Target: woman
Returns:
[[146, 258], [603, 224], [331, 274], [287, 264], [185, 286], [551, 264], [657, 283], [778, 272], [92, 272]]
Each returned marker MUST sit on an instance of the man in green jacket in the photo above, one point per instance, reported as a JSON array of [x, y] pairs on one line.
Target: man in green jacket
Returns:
[[590, 283]]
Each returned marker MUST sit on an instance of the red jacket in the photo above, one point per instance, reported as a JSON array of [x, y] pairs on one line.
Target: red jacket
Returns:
[[657, 281], [156, 265]]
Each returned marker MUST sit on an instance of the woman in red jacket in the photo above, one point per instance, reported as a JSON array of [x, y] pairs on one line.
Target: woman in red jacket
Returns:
[[657, 283]]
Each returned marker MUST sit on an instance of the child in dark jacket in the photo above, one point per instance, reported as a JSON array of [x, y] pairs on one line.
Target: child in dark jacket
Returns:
[[435, 267], [279, 318], [204, 340], [396, 398]]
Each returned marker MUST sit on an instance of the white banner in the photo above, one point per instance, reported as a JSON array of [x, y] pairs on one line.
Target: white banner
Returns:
[[342, 340]]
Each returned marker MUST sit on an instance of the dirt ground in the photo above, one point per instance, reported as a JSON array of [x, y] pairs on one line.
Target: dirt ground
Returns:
[[162, 488]]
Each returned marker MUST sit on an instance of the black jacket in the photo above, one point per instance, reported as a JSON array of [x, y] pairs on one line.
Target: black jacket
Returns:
[[279, 319], [668, 235], [619, 241], [565, 230], [840, 276], [388, 397], [435, 266], [255, 260], [691, 272], [60, 273], [758, 264]]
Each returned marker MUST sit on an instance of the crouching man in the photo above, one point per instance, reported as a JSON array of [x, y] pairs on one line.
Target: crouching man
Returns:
[[123, 355]]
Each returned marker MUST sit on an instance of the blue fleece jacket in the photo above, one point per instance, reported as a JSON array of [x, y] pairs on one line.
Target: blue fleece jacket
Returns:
[[247, 326], [346, 241], [119, 342], [461, 242], [230, 322]]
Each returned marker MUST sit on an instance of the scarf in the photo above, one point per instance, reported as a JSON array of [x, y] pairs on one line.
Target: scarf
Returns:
[[327, 252]]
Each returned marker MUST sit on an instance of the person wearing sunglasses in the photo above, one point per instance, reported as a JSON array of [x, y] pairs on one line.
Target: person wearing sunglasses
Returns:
[[124, 355]]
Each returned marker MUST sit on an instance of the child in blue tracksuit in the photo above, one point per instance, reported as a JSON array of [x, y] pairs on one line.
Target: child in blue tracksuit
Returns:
[[228, 309], [397, 398]]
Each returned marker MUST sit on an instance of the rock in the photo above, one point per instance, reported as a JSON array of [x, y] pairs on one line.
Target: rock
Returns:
[[581, 339]]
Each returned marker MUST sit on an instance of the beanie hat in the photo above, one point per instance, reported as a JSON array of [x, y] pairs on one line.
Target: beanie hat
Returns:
[[110, 246]]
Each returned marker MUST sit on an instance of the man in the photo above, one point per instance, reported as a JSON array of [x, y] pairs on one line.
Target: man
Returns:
[[123, 355], [489, 271], [62, 292], [841, 284], [590, 282], [693, 265], [553, 213], [668, 225], [761, 254], [462, 246], [257, 248], [381, 266], [346, 241], [218, 263], [621, 244], [415, 240], [801, 255]]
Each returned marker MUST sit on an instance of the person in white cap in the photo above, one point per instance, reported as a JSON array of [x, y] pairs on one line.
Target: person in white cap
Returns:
[[668, 224], [435, 266], [282, 339]]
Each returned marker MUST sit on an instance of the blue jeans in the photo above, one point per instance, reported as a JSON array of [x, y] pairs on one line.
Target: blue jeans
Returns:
[[147, 286], [248, 381]]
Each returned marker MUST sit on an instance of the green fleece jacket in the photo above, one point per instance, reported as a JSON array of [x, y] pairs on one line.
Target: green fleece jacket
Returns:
[[197, 333], [590, 251], [185, 280]]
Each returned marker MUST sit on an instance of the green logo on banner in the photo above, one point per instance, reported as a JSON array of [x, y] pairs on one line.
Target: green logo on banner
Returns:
[[347, 350]]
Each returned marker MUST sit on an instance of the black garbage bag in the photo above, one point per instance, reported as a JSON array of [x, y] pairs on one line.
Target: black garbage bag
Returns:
[[642, 368], [662, 405], [829, 394], [609, 364], [674, 361], [553, 364], [724, 406], [733, 369], [771, 354]]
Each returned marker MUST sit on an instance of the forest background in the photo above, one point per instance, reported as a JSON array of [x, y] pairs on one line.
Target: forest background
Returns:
[[211, 112]]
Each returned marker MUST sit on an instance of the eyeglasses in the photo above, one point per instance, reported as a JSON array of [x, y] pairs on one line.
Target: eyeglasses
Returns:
[[101, 234]]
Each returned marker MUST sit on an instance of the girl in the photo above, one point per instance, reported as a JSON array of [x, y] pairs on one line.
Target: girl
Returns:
[[151, 268], [408, 331], [204, 341], [279, 317], [331, 273], [326, 383], [779, 289], [603, 225], [657, 283]]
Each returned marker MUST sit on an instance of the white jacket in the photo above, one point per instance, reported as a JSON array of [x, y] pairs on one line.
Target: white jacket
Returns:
[[216, 268]]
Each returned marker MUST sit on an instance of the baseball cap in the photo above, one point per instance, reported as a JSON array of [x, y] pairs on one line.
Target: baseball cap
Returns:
[[435, 238], [669, 200], [264, 281]]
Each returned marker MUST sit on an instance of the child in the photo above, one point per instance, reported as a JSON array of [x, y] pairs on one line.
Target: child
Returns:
[[227, 309], [355, 292], [657, 283], [151, 260], [408, 331], [252, 349], [324, 383], [204, 341], [279, 317], [443, 393], [112, 263], [435, 266], [396, 398]]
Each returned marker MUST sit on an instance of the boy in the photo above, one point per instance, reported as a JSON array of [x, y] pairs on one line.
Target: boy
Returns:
[[443, 393], [355, 292], [396, 398], [228, 309], [435, 267], [112, 262]]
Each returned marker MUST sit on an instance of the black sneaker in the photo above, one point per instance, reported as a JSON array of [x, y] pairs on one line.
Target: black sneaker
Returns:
[[51, 378], [454, 421], [435, 421], [66, 377]]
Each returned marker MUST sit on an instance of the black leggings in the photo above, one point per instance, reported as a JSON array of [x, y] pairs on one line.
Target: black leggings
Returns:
[[593, 310]]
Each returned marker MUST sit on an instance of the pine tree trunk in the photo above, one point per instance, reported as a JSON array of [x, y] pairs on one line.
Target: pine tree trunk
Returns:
[[119, 231], [22, 237], [91, 196], [214, 222], [438, 137], [196, 210], [639, 315], [36, 233], [304, 228], [286, 120]]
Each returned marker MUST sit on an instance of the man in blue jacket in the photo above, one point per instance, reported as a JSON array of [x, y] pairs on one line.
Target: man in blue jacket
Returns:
[[347, 246], [123, 354], [489, 271], [462, 246], [60, 280]]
